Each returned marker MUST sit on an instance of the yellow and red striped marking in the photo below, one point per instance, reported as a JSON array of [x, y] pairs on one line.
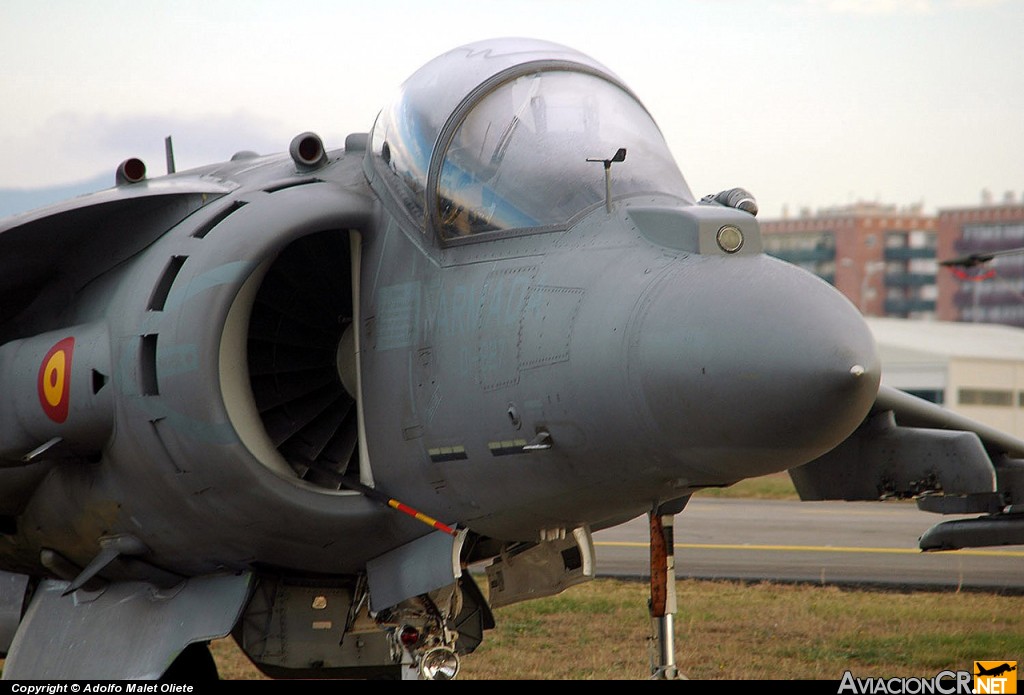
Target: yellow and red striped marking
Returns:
[[429, 521], [54, 383]]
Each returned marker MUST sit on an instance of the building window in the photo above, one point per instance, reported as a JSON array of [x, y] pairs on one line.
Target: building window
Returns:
[[990, 397], [895, 240], [923, 265], [918, 239], [931, 395]]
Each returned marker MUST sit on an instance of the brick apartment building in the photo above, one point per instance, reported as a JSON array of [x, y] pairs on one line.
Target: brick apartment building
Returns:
[[885, 258], [882, 257], [992, 292]]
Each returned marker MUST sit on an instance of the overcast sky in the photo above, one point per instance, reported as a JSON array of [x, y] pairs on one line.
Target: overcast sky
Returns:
[[807, 103]]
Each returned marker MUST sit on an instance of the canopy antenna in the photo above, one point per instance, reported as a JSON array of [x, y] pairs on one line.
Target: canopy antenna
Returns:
[[169, 150]]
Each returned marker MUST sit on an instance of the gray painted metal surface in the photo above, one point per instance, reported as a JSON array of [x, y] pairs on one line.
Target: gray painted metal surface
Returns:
[[13, 592], [291, 365], [435, 558], [143, 628]]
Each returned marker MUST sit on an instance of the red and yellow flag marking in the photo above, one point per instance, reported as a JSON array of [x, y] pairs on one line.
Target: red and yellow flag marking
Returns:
[[54, 382], [420, 516]]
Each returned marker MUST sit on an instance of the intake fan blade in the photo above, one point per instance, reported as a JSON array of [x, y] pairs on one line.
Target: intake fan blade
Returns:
[[301, 311]]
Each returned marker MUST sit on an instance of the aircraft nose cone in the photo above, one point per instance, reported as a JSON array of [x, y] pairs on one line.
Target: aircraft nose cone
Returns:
[[752, 365]]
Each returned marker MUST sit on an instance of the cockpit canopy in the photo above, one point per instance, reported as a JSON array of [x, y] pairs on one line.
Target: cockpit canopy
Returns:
[[497, 135]]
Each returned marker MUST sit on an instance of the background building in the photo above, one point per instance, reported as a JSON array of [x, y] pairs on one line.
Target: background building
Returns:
[[976, 370], [962, 346], [994, 291], [882, 257]]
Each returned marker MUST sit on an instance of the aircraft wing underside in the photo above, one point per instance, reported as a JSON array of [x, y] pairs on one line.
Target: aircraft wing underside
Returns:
[[62, 241], [910, 448]]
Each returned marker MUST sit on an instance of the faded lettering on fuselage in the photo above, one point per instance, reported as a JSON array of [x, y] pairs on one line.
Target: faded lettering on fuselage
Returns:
[[398, 317], [177, 359], [501, 311], [456, 311]]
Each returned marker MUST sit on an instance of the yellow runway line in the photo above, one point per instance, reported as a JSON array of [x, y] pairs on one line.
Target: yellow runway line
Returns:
[[813, 549]]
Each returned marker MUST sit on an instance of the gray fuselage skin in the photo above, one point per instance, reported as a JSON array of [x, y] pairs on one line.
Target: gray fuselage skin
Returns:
[[650, 368]]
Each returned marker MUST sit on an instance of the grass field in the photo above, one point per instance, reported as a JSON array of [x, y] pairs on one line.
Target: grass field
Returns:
[[737, 631], [777, 486]]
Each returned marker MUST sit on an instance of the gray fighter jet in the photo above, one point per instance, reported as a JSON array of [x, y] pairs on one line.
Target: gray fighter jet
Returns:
[[309, 399]]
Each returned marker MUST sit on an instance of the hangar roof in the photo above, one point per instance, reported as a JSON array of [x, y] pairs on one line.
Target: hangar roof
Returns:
[[906, 340]]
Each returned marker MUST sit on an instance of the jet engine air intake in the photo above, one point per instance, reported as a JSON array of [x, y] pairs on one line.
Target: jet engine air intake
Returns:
[[297, 353]]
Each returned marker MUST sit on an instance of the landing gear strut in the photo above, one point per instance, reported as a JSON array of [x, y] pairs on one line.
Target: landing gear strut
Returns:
[[663, 590]]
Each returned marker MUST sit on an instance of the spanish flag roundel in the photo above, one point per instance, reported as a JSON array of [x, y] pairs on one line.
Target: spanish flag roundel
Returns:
[[54, 384]]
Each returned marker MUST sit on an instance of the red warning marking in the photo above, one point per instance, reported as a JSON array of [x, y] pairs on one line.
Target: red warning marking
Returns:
[[54, 383], [962, 274]]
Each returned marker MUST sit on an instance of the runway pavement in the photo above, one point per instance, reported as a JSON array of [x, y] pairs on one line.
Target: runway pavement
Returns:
[[865, 543]]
